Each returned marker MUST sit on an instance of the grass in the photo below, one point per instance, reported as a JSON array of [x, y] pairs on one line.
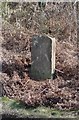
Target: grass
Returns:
[[14, 107]]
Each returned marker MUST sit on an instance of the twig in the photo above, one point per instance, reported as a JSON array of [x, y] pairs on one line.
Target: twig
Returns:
[[59, 71], [43, 90]]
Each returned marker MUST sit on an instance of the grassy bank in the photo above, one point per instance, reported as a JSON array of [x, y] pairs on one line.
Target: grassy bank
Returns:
[[15, 108]]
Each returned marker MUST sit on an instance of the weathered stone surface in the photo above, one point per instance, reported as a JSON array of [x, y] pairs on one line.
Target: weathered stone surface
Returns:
[[41, 56]]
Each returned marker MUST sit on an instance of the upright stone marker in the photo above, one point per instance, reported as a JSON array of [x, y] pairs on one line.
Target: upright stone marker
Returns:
[[42, 57]]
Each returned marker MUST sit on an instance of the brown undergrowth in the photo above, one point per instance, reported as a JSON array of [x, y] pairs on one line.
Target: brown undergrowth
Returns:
[[63, 91]]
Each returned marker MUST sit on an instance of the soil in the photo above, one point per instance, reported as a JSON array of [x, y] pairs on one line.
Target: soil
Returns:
[[63, 91]]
